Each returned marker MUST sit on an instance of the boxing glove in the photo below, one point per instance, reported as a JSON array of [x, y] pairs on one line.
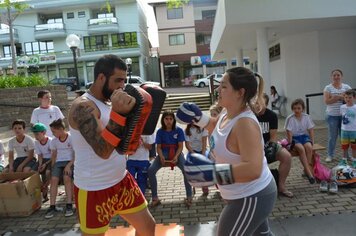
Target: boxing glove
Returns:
[[202, 172], [189, 113]]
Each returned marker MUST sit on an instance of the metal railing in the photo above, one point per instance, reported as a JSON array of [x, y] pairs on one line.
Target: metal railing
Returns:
[[307, 96]]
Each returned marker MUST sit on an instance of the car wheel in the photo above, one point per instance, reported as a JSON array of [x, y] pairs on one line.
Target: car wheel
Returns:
[[69, 88], [201, 84]]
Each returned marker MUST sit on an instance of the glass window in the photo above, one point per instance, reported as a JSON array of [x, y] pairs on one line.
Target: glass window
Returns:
[[32, 48], [81, 14], [175, 13], [208, 14], [97, 42], [124, 39], [105, 15], [176, 39], [70, 15], [7, 50]]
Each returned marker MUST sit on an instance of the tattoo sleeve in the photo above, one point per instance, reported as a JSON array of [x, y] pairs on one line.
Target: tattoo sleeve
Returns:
[[90, 128]]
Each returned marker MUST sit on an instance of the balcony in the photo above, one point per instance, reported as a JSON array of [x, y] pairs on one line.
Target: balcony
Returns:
[[103, 25], [5, 36], [50, 31]]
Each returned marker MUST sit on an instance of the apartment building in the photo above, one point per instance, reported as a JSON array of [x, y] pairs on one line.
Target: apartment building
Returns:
[[296, 44], [184, 41], [40, 36]]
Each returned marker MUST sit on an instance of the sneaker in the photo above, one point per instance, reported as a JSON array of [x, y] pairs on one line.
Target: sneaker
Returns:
[[311, 180], [51, 211], [329, 159], [333, 187], [343, 162], [69, 211], [323, 186]]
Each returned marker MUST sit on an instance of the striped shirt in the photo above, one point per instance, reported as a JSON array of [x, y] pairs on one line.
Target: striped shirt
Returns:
[[334, 108]]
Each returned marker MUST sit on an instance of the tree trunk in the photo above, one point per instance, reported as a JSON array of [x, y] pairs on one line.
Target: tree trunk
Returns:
[[12, 42]]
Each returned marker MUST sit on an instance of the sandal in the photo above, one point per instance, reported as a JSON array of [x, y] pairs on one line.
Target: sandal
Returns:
[[287, 193], [188, 202], [155, 203]]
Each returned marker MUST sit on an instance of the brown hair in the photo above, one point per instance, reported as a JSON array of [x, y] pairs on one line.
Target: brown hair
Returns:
[[164, 115], [351, 92], [215, 107], [58, 124], [298, 101], [19, 122], [338, 71], [241, 77]]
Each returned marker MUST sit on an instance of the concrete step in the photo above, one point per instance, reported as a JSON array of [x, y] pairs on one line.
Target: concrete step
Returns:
[[173, 102]]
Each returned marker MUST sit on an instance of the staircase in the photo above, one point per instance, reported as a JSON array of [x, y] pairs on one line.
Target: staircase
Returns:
[[173, 101]]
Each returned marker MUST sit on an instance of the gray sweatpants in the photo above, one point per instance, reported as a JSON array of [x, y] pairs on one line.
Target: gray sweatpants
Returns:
[[249, 215]]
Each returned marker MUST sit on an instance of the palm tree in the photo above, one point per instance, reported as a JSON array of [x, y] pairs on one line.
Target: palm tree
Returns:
[[13, 10]]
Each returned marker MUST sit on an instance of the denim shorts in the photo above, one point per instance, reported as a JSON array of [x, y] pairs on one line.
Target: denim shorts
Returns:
[[303, 139], [32, 164], [58, 169]]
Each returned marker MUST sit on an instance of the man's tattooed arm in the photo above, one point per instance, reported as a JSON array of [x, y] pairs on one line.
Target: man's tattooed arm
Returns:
[[85, 116]]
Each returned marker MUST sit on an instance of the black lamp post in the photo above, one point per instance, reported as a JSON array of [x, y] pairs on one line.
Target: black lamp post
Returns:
[[129, 63], [73, 42]]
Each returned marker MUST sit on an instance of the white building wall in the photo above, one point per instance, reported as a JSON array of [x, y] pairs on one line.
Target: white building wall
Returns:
[[186, 21], [338, 50], [301, 59]]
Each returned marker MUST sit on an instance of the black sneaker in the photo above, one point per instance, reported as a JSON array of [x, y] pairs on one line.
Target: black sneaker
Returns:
[[311, 180], [51, 212], [69, 210]]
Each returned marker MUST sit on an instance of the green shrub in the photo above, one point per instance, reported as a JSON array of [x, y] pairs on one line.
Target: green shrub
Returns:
[[16, 81]]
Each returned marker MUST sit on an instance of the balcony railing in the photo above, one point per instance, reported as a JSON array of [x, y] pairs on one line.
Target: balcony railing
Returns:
[[48, 27], [102, 21], [7, 31]]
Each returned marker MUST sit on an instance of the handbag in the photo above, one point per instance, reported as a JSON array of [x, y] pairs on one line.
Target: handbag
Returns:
[[321, 172]]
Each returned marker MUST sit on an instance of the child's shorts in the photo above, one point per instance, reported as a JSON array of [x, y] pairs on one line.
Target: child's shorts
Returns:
[[96, 208], [32, 164], [348, 138], [302, 139], [58, 169], [48, 167]]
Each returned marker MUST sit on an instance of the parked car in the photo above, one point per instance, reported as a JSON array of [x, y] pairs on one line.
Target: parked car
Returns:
[[206, 80], [134, 80], [70, 82]]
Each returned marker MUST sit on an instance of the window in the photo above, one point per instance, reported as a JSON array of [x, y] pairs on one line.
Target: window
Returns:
[[275, 52], [105, 15], [97, 42], [124, 39], [81, 14], [176, 39], [175, 13], [7, 50], [54, 20], [42, 47], [70, 15], [208, 14], [203, 39]]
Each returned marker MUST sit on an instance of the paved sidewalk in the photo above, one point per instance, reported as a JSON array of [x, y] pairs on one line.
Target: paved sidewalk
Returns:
[[308, 203]]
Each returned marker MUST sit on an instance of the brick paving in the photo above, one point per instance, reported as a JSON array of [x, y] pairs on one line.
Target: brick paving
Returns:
[[307, 201]]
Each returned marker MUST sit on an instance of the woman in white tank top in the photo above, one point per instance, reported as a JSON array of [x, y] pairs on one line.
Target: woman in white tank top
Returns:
[[237, 139]]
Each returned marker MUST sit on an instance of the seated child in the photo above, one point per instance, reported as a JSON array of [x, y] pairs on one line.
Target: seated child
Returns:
[[43, 151], [300, 129], [62, 159], [23, 146], [138, 163], [196, 142]]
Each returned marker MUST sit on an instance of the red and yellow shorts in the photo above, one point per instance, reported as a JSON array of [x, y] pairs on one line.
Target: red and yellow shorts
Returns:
[[96, 208]]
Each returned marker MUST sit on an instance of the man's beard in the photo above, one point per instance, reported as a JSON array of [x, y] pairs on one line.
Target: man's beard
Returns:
[[106, 91]]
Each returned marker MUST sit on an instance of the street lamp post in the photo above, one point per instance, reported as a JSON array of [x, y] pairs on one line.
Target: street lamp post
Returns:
[[73, 42], [129, 63]]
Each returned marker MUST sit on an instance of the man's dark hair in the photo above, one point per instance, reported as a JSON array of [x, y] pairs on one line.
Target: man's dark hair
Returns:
[[107, 64], [19, 122], [57, 124], [41, 93]]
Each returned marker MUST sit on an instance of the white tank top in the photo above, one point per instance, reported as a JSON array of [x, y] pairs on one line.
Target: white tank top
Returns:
[[91, 172], [223, 155]]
